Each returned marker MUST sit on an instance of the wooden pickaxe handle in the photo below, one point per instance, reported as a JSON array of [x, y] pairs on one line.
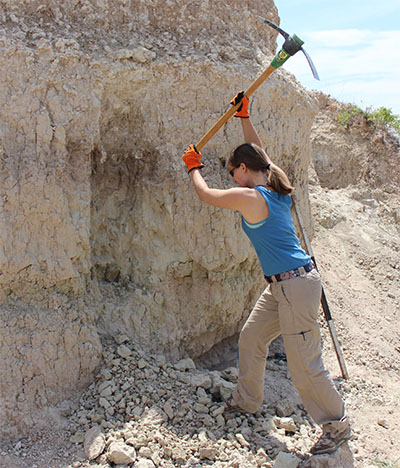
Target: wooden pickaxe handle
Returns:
[[290, 47], [324, 301], [232, 110]]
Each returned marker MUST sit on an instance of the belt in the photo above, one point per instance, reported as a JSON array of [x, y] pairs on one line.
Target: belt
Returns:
[[291, 273]]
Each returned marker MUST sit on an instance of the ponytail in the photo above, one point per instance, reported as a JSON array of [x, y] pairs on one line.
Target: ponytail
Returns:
[[256, 159], [278, 180]]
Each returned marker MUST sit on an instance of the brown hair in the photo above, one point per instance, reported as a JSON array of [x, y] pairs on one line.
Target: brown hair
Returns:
[[256, 159]]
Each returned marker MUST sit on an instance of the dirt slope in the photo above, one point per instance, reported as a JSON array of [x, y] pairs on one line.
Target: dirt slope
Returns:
[[357, 243]]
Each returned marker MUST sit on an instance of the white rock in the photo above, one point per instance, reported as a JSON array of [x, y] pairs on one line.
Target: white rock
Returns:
[[286, 460], [261, 455], [203, 437], [104, 385], [199, 408], [107, 392], [231, 374], [120, 453], [154, 415], [142, 363], [104, 403], [204, 400], [222, 386], [126, 386], [217, 411], [242, 441], [383, 423], [121, 339], [185, 364], [220, 421], [124, 351], [179, 455], [268, 426], [201, 393], [168, 410], [285, 423], [284, 408], [201, 380], [343, 457], [208, 452], [144, 463], [145, 452], [94, 442]]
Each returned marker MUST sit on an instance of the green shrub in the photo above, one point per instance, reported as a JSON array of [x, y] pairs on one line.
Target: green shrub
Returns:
[[385, 117], [384, 464], [344, 118], [379, 117]]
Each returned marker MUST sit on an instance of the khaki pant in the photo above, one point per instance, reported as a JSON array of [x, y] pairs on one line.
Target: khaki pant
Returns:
[[289, 308]]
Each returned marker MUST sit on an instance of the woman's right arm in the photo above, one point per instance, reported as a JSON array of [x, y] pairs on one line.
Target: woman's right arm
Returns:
[[236, 198]]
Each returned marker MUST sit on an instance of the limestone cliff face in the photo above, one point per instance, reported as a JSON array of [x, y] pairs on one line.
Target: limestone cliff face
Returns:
[[100, 229]]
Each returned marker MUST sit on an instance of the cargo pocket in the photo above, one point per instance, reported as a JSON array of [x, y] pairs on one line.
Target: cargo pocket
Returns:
[[303, 351]]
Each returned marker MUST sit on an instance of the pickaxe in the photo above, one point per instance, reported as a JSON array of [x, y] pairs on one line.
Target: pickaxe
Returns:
[[290, 47]]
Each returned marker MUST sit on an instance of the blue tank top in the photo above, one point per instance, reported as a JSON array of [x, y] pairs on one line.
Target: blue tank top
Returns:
[[274, 239]]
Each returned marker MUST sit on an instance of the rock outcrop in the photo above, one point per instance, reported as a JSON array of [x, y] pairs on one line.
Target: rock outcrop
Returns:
[[98, 100], [348, 150]]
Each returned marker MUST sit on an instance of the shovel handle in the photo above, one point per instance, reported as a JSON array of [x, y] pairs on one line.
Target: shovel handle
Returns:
[[324, 301], [232, 110]]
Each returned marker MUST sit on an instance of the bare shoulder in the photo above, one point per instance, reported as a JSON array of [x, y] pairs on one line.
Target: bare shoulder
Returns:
[[247, 196], [245, 192], [248, 201], [235, 198], [256, 209]]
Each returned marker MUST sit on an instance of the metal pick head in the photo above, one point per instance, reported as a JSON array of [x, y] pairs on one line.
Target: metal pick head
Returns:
[[277, 28], [312, 66], [294, 43]]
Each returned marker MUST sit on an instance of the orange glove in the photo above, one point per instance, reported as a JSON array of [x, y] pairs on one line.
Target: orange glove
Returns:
[[191, 158], [243, 111]]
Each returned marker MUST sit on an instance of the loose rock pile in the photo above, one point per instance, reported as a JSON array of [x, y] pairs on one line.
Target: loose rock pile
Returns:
[[144, 412]]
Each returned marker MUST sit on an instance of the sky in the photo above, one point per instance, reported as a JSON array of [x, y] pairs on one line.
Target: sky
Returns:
[[355, 47]]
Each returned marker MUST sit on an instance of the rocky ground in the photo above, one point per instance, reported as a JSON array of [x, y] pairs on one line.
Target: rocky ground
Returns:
[[144, 412]]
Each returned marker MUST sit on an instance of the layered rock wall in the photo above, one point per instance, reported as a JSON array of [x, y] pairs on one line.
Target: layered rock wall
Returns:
[[98, 100]]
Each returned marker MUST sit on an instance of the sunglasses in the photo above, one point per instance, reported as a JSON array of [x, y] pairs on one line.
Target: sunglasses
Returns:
[[232, 172]]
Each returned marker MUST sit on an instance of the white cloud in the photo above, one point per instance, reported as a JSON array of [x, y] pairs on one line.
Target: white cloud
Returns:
[[337, 38], [359, 66]]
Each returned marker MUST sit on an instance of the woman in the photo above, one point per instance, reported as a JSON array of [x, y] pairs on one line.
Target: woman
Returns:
[[289, 305]]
